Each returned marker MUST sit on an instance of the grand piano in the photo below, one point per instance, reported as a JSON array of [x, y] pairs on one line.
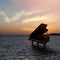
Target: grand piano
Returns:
[[39, 35]]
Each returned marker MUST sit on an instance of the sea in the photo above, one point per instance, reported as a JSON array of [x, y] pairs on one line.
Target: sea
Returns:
[[19, 47]]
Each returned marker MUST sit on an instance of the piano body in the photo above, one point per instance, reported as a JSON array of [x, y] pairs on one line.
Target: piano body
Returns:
[[39, 36]]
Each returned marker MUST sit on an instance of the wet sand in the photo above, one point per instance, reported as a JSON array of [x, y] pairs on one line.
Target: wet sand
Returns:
[[20, 48]]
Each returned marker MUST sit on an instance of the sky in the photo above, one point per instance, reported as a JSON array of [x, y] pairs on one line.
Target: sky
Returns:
[[23, 16]]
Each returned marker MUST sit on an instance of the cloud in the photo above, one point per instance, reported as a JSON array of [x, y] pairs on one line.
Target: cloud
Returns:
[[47, 18], [5, 17], [33, 12], [26, 17], [15, 17], [34, 19], [18, 15], [24, 13]]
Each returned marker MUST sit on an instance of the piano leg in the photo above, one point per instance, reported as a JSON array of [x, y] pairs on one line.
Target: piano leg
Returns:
[[32, 43], [44, 45], [37, 44]]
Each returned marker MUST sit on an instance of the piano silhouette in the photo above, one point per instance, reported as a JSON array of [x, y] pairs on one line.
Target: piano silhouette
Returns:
[[39, 36]]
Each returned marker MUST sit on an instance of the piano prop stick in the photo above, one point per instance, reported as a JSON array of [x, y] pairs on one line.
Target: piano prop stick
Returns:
[[39, 36]]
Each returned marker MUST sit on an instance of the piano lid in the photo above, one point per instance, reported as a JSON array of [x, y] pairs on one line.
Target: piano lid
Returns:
[[41, 29]]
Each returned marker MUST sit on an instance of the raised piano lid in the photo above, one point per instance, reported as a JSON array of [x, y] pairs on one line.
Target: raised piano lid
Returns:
[[41, 29]]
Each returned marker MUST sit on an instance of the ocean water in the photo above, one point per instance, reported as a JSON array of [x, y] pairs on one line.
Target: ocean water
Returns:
[[20, 48]]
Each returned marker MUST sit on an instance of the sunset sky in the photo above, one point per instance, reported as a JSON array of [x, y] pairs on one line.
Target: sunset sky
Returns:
[[23, 16]]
